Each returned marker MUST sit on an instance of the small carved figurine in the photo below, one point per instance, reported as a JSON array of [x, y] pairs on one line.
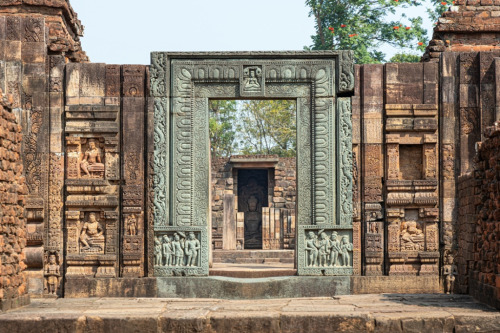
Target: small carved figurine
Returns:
[[334, 249], [192, 249], [449, 272], [91, 162], [311, 249], [178, 248], [323, 248], [132, 225], [92, 234], [167, 251], [251, 82], [158, 254], [345, 247], [52, 275]]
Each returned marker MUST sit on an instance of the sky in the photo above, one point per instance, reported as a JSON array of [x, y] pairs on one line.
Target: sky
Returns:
[[126, 31]]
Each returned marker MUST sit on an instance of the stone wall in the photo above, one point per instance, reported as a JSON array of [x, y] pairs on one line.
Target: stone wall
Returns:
[[467, 201], [13, 282], [396, 178], [484, 278], [38, 38]]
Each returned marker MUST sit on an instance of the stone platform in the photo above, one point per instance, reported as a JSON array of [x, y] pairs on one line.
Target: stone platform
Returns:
[[354, 313], [254, 288]]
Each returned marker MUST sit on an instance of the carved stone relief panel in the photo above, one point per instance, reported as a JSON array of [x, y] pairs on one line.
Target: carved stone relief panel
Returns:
[[180, 252], [324, 251], [181, 193], [85, 157]]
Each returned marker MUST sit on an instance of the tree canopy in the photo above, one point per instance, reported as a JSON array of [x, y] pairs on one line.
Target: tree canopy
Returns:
[[364, 26], [252, 127]]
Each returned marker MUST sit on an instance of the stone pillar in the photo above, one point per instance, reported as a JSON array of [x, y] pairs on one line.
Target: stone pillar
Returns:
[[372, 105], [133, 168], [229, 227]]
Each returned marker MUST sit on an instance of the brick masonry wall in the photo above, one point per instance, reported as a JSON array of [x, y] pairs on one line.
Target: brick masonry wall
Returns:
[[468, 26], [484, 280], [467, 200], [13, 285]]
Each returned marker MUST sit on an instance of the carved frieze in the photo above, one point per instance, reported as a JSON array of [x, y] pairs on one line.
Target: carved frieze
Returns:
[[180, 252], [325, 251]]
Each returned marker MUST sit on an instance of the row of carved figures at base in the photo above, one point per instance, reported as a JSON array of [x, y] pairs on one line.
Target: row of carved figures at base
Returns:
[[323, 250], [177, 250]]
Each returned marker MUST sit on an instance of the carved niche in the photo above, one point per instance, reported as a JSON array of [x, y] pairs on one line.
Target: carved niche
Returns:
[[412, 188], [85, 157], [181, 176]]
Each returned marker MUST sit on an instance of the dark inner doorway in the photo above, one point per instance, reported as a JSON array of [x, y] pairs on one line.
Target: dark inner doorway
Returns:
[[252, 196]]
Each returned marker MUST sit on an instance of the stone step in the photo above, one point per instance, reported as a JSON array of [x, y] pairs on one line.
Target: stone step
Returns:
[[252, 271], [386, 313], [253, 274], [252, 256]]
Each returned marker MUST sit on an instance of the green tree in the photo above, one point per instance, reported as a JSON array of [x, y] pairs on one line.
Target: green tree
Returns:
[[363, 26], [404, 57], [222, 127], [438, 8], [268, 127]]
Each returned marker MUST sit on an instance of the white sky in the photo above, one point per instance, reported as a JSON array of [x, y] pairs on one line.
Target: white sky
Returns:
[[126, 31]]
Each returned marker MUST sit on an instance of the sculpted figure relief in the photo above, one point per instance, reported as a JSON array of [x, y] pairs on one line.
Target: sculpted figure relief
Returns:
[[92, 235], [449, 271], [253, 223], [412, 237], [52, 275], [158, 251], [311, 249], [177, 250], [334, 249], [251, 82], [324, 251], [345, 248], [131, 224], [192, 249], [91, 163]]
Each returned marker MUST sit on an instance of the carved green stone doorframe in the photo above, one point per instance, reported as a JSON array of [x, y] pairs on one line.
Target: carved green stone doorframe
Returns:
[[181, 86]]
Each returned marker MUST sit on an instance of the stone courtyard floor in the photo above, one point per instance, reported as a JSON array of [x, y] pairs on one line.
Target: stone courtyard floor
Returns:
[[352, 313]]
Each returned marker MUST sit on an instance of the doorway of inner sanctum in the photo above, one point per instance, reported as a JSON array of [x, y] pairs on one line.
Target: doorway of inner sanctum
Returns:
[[254, 222], [253, 191]]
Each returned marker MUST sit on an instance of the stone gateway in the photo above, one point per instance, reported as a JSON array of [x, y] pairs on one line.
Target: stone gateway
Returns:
[[108, 188]]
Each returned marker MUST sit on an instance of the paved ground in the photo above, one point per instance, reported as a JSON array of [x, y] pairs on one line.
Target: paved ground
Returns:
[[353, 313]]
